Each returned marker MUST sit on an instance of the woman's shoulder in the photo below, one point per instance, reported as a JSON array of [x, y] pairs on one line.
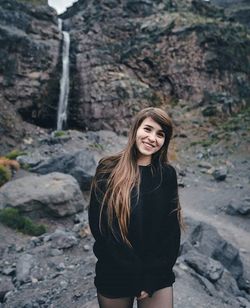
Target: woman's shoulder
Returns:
[[169, 171]]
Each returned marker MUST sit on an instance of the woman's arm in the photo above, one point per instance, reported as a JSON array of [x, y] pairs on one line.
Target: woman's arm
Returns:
[[109, 247], [164, 256]]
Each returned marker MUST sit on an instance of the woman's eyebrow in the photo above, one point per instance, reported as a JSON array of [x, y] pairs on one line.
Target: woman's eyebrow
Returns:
[[160, 130]]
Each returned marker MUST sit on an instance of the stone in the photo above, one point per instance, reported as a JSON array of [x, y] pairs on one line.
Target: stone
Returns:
[[54, 194], [220, 174], [241, 208], [23, 268], [61, 239], [6, 285], [203, 265], [207, 241]]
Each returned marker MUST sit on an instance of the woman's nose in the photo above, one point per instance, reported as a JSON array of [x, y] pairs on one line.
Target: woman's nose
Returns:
[[151, 137]]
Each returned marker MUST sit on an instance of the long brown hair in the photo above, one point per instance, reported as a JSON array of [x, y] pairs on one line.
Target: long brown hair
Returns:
[[124, 175]]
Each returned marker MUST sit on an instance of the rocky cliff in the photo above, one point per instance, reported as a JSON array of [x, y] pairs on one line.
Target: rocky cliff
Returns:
[[29, 59], [124, 55], [131, 54]]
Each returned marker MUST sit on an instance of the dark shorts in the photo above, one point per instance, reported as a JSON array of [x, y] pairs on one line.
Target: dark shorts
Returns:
[[114, 284]]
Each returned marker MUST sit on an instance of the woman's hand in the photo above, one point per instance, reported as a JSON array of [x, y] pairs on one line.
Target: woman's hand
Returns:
[[143, 295]]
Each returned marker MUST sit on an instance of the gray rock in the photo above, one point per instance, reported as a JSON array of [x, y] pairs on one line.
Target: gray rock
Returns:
[[62, 239], [203, 265], [207, 241], [204, 165], [238, 208], [9, 270], [228, 283], [207, 285], [23, 268], [56, 193], [77, 156], [220, 174], [6, 285]]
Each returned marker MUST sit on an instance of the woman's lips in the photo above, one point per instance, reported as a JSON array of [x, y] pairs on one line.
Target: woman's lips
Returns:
[[148, 145]]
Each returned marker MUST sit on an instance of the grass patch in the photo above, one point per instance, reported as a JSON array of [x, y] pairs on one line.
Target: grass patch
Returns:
[[13, 219], [5, 174], [59, 133], [13, 154]]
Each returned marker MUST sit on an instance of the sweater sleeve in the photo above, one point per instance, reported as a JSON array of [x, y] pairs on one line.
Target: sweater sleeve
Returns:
[[166, 253], [107, 247]]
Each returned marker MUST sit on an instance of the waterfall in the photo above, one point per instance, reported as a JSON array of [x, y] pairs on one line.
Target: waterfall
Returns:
[[64, 82]]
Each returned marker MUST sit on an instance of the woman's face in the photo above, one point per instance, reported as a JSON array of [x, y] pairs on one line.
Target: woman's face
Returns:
[[149, 139]]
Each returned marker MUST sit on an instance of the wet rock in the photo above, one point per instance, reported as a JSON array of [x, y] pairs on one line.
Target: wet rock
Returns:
[[56, 193]]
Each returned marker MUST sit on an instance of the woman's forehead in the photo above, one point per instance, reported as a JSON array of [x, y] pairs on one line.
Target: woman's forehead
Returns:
[[151, 122]]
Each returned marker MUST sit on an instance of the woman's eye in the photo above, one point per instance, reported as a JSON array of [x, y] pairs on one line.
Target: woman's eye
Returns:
[[161, 135], [147, 129]]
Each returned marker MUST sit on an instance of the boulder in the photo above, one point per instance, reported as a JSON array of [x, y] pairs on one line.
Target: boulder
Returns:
[[203, 265], [73, 153], [55, 193], [206, 240], [241, 208], [81, 165]]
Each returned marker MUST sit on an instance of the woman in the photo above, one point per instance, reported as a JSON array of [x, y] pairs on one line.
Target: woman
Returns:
[[134, 216]]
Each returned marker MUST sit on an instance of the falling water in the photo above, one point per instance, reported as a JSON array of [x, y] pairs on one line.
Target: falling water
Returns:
[[64, 82]]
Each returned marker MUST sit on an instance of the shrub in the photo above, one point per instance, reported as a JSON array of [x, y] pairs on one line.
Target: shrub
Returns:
[[59, 133], [5, 174], [9, 163], [13, 154], [13, 219]]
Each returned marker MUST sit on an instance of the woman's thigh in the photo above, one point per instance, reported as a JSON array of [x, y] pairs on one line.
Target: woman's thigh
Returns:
[[162, 298], [123, 302]]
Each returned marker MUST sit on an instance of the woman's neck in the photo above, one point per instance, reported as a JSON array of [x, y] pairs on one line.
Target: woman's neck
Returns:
[[144, 161]]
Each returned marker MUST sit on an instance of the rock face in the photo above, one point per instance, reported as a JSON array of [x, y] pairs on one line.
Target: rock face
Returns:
[[128, 55], [54, 193], [29, 60]]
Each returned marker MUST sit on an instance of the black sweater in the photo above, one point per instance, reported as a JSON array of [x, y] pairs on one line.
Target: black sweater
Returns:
[[154, 233]]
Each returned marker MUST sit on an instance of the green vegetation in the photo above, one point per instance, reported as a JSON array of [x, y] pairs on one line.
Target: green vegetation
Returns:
[[5, 174], [237, 121], [13, 154], [59, 133], [97, 146], [13, 219]]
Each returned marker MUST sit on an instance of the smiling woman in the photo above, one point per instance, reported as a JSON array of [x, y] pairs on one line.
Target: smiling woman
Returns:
[[134, 216], [61, 5]]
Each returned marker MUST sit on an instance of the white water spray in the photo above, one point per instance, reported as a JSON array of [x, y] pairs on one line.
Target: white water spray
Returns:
[[64, 82]]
